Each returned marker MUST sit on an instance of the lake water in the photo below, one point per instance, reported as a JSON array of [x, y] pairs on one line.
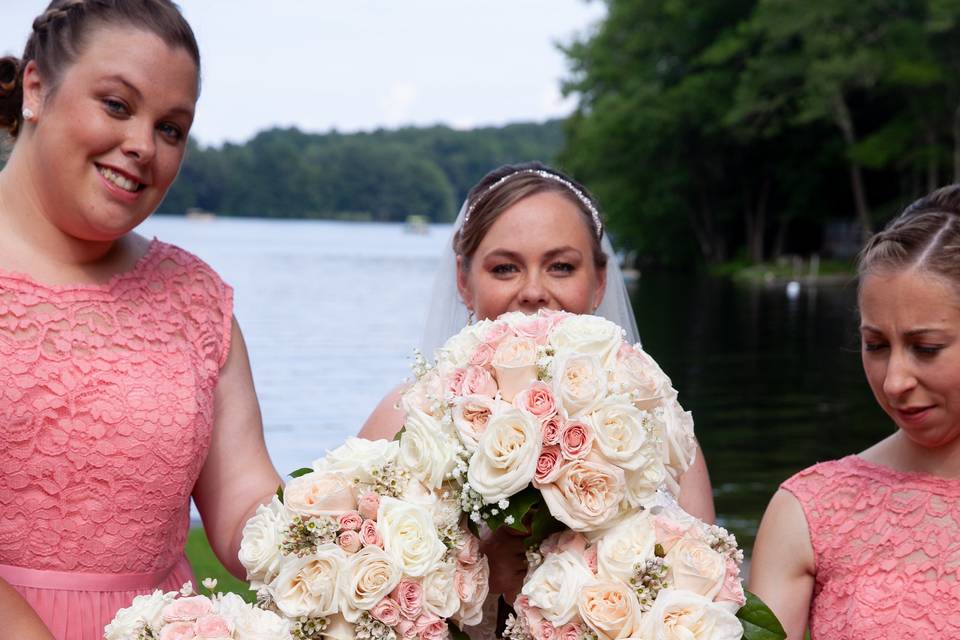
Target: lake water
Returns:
[[332, 310]]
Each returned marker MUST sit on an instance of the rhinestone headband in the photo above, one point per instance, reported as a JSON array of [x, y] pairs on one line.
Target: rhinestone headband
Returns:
[[584, 200]]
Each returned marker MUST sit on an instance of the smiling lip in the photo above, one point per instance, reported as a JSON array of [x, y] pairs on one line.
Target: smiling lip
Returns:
[[121, 184], [914, 415]]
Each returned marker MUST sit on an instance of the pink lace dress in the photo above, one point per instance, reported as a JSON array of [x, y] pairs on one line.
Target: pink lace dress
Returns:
[[887, 551], [106, 408]]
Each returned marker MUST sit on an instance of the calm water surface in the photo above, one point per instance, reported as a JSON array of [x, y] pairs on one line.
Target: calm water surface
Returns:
[[331, 312]]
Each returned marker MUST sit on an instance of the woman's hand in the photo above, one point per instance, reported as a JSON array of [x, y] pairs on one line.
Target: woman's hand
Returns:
[[507, 556]]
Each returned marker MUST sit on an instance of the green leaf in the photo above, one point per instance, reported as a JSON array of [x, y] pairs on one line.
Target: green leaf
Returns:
[[455, 632], [520, 504], [302, 471], [280, 492], [758, 620], [473, 526], [542, 525], [399, 434]]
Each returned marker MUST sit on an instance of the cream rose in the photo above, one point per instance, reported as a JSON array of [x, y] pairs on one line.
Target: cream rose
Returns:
[[339, 629], [252, 623], [515, 362], [471, 414], [425, 395], [681, 615], [538, 400], [644, 482], [681, 445], [426, 449], [586, 495], [619, 432], [589, 335], [357, 457], [409, 536], [260, 544], [610, 608], [630, 541], [506, 457], [144, 609], [696, 567], [553, 587], [319, 493], [472, 584], [579, 384], [458, 350], [308, 586], [636, 373], [439, 591], [368, 576]]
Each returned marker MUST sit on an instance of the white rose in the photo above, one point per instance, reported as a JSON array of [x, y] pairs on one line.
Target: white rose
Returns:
[[619, 432], [308, 586], [426, 449], [586, 496], [636, 373], [457, 351], [515, 362], [579, 383], [680, 443], [696, 567], [610, 608], [144, 609], [319, 493], [630, 542], [260, 544], [439, 595], [644, 482], [554, 586], [471, 415], [506, 458], [681, 615], [357, 457], [250, 622], [339, 629], [368, 576], [409, 536], [588, 335]]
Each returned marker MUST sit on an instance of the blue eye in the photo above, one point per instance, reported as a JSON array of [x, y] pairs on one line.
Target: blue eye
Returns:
[[115, 107], [170, 131]]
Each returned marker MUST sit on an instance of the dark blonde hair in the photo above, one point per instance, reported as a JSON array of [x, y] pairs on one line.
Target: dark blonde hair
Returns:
[[505, 186], [61, 32], [925, 236]]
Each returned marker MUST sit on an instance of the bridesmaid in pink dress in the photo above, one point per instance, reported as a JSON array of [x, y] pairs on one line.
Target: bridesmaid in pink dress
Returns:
[[125, 386], [868, 546]]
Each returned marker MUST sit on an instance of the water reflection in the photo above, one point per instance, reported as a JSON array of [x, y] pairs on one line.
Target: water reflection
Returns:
[[775, 384]]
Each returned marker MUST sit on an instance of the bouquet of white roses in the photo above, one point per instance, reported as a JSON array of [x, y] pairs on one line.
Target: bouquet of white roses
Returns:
[[552, 405], [185, 616], [361, 546], [658, 573]]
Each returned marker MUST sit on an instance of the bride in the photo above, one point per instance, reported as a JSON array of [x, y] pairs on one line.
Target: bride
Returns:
[[528, 237]]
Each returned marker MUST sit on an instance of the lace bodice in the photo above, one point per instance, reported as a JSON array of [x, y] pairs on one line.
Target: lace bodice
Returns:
[[106, 409], [887, 551]]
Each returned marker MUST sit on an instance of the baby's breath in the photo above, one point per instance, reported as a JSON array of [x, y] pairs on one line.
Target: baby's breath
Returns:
[[648, 579], [369, 628], [724, 542], [304, 628], [387, 480], [303, 536]]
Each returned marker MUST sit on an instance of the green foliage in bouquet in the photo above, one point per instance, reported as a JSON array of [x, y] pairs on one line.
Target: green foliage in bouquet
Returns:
[[759, 622]]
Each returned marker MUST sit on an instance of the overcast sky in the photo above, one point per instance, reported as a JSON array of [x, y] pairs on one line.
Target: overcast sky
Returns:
[[362, 64]]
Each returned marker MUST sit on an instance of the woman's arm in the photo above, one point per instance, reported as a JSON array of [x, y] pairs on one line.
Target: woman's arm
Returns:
[[783, 566], [696, 494], [238, 475], [386, 420], [19, 619]]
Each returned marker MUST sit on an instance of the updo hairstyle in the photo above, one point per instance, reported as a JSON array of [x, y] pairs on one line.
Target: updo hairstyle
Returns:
[[60, 34]]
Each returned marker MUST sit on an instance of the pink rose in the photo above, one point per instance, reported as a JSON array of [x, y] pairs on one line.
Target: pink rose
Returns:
[[407, 628], [349, 541], [469, 551], [543, 630], [178, 631], [387, 611], [351, 521], [732, 589], [409, 595], [187, 609], [368, 506], [470, 417], [320, 494], [472, 583], [538, 400], [576, 440], [586, 495], [213, 627], [552, 429], [497, 332], [477, 381], [590, 555], [536, 328], [369, 535], [668, 532], [430, 627], [570, 631], [483, 355], [455, 381], [571, 541], [548, 465]]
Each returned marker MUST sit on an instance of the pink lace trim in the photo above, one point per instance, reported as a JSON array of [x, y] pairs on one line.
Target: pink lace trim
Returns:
[[106, 397]]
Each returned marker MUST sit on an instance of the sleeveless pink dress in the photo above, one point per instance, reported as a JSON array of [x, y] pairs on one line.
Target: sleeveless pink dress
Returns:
[[887, 551], [106, 410]]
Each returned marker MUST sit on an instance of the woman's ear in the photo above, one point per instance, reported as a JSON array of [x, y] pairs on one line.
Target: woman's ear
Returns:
[[463, 284], [33, 89], [601, 287]]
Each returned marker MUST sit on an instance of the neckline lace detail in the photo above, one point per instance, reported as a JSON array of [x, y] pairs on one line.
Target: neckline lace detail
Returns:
[[926, 481]]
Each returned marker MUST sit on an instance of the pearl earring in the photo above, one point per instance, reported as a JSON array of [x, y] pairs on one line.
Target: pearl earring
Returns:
[[28, 113]]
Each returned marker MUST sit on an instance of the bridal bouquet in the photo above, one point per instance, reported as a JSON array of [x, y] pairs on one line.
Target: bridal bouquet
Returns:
[[659, 573], [554, 407], [363, 546], [185, 616]]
